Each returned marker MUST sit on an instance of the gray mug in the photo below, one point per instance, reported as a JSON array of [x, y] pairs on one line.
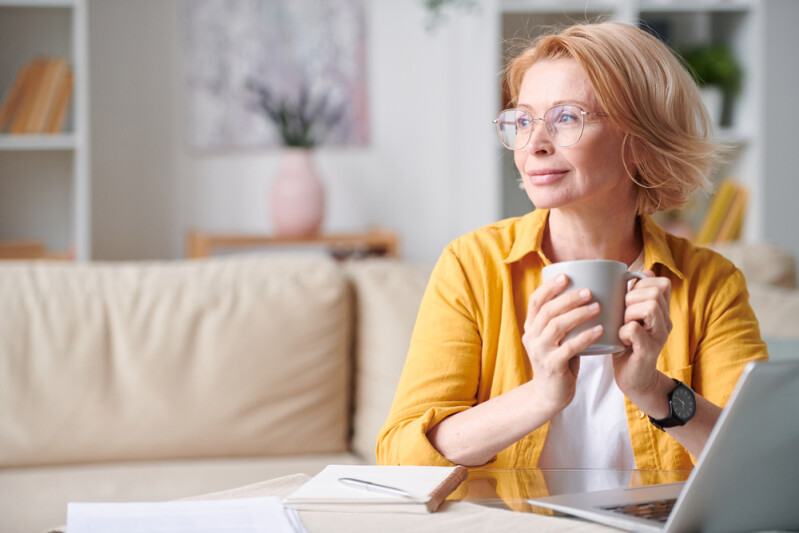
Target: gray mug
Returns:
[[607, 281]]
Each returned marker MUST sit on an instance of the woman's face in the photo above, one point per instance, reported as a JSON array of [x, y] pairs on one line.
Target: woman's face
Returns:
[[588, 175]]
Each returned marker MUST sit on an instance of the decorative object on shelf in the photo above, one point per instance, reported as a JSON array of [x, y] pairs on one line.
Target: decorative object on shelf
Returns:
[[297, 196], [718, 74], [39, 99], [725, 214]]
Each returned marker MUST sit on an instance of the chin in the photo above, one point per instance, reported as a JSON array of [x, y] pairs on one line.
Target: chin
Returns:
[[547, 201]]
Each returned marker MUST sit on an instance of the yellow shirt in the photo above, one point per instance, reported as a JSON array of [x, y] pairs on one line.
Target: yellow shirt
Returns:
[[466, 346]]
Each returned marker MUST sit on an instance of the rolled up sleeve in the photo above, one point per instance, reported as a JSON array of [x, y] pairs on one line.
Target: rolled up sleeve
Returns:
[[442, 371]]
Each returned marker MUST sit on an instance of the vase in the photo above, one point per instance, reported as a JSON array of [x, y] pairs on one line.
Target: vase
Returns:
[[297, 199]]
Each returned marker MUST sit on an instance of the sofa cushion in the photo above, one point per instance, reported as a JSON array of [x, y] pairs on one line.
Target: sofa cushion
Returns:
[[387, 296], [225, 357], [761, 263], [777, 311]]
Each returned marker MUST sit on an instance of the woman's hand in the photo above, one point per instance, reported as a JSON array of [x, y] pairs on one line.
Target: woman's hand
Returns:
[[551, 314], [647, 325]]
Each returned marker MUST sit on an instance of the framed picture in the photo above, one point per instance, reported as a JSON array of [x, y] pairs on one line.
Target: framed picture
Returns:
[[301, 53]]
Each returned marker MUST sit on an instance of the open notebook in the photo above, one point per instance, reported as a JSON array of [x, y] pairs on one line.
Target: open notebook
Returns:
[[417, 489]]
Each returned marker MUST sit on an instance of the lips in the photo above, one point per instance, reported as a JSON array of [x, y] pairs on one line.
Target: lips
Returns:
[[545, 176]]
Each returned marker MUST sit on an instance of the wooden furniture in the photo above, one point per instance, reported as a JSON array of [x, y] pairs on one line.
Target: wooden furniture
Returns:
[[22, 250], [376, 242], [30, 250]]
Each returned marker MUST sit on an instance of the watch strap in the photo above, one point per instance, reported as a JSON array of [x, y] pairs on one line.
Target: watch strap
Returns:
[[671, 420]]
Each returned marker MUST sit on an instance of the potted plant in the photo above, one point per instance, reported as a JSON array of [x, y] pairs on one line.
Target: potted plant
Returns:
[[718, 74], [303, 122], [297, 195]]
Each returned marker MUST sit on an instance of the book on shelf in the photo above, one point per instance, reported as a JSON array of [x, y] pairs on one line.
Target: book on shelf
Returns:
[[730, 228], [369, 488], [725, 214], [39, 98]]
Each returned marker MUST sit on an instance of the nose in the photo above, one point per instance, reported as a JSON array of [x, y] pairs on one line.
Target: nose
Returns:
[[540, 142]]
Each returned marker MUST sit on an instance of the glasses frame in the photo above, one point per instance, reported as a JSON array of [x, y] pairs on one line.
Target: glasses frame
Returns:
[[583, 114]]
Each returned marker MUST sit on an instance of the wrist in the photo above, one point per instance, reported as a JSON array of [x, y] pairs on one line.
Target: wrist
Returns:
[[654, 401], [545, 404]]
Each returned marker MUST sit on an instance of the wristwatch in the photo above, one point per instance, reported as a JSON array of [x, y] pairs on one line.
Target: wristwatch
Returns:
[[682, 407]]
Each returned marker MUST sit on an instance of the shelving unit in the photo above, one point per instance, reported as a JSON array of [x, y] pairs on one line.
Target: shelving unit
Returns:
[[44, 179], [738, 24]]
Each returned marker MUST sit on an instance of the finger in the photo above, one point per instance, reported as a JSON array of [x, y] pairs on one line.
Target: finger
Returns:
[[562, 305], [559, 326], [650, 316], [579, 343], [650, 285], [633, 335], [545, 292], [557, 305]]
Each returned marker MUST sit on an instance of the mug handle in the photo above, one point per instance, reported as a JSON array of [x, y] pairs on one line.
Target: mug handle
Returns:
[[633, 275]]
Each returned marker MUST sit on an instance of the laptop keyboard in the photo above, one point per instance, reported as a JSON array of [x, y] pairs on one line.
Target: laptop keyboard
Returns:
[[657, 510]]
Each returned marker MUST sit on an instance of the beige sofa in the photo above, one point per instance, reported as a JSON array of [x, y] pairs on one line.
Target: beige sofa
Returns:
[[155, 381]]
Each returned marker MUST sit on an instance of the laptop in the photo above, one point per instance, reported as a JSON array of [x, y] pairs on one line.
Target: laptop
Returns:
[[746, 479]]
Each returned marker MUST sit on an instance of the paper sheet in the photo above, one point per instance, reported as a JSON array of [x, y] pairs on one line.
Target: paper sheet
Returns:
[[246, 515]]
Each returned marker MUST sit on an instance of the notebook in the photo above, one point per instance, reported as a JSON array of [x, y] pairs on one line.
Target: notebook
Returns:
[[368, 488], [745, 478]]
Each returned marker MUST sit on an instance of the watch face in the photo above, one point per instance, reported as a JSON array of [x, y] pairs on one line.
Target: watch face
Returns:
[[683, 403]]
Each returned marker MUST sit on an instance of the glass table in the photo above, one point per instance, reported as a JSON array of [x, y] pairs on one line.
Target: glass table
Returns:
[[511, 488]]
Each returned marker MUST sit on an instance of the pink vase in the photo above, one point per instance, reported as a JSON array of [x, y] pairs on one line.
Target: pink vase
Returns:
[[297, 198]]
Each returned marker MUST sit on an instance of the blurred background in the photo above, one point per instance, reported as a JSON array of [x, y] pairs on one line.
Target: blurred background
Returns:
[[164, 132]]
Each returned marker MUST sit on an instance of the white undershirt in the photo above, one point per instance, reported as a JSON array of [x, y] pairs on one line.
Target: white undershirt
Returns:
[[592, 431]]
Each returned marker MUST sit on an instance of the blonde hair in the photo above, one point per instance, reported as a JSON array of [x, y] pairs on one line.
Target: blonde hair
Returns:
[[648, 94]]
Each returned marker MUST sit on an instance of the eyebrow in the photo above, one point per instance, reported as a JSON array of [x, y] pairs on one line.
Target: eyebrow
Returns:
[[557, 103]]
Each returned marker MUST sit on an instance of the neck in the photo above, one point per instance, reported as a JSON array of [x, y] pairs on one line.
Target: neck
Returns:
[[572, 235]]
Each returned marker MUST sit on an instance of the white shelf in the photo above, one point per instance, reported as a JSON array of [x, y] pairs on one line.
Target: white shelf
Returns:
[[564, 6], [61, 141], [692, 6], [37, 3], [45, 178]]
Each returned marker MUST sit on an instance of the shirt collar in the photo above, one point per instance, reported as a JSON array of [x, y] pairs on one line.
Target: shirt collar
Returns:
[[656, 247], [530, 235]]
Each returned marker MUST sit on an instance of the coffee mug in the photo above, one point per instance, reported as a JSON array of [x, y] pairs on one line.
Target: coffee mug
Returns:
[[607, 281]]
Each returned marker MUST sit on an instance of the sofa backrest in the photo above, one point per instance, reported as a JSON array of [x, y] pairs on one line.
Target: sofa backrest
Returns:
[[387, 298], [222, 357]]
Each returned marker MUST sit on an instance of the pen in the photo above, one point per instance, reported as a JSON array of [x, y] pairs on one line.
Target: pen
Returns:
[[374, 487]]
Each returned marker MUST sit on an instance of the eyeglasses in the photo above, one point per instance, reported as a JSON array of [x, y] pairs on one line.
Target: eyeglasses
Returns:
[[564, 124]]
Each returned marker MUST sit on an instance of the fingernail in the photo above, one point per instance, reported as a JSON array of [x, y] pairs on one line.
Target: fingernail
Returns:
[[562, 278], [594, 306], [597, 329], [585, 293]]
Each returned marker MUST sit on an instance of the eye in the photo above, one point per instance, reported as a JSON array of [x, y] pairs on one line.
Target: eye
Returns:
[[523, 121], [566, 116]]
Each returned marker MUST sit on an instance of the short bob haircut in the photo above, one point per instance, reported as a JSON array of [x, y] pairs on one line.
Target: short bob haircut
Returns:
[[648, 94]]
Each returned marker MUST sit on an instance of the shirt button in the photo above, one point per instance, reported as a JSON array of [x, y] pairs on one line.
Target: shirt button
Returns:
[[641, 414]]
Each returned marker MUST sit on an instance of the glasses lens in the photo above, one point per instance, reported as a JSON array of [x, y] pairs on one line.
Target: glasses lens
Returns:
[[565, 124], [514, 128]]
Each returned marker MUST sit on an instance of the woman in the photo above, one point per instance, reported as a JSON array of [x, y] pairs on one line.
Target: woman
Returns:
[[607, 128]]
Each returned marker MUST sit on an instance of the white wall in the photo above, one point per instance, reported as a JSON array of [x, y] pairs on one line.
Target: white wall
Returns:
[[429, 171], [779, 118]]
